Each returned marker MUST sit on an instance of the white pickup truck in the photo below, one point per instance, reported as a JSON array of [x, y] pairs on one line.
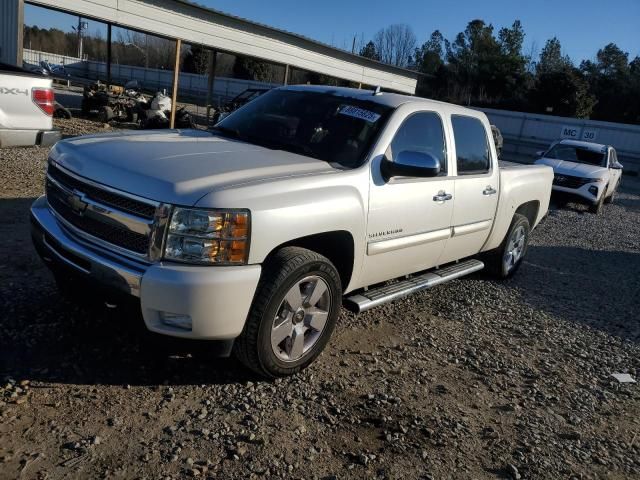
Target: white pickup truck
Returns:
[[26, 108], [255, 234]]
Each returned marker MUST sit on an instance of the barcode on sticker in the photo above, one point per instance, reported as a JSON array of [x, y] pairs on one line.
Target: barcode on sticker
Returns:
[[360, 113]]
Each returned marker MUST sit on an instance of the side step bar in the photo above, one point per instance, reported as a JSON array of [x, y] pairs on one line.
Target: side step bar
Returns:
[[364, 301]]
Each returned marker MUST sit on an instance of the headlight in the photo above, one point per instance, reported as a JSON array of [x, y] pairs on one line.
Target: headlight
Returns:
[[218, 237], [594, 180]]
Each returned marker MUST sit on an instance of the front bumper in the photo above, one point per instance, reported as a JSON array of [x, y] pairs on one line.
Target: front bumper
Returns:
[[582, 192], [216, 298]]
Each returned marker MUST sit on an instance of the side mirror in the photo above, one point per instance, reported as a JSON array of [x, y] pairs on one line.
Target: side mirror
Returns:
[[410, 164], [616, 166]]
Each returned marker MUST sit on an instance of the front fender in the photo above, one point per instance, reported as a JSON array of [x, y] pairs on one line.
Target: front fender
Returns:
[[285, 210]]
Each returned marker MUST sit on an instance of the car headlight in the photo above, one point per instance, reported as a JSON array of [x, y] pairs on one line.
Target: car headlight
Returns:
[[595, 180], [219, 237]]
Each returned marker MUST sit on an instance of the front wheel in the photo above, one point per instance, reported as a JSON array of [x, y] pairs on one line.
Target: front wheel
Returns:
[[505, 260], [293, 314], [596, 208], [611, 198]]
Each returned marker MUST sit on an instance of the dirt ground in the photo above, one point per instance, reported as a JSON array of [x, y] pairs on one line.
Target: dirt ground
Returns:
[[473, 379]]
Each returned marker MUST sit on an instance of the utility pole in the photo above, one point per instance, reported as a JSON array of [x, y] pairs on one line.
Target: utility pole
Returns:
[[79, 29], [80, 38]]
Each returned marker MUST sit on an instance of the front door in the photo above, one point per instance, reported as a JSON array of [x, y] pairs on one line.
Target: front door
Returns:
[[409, 219], [614, 173]]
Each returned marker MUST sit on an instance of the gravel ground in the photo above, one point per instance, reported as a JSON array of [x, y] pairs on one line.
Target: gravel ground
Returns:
[[473, 379]]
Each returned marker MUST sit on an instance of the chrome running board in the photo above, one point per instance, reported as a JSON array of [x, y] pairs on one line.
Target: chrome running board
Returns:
[[373, 297]]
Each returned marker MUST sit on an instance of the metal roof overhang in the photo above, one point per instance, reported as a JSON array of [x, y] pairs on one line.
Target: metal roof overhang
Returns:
[[200, 25]]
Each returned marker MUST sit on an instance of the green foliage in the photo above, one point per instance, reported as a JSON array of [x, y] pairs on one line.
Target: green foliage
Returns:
[[562, 92], [477, 67], [551, 58], [616, 82], [251, 69], [369, 51], [196, 60]]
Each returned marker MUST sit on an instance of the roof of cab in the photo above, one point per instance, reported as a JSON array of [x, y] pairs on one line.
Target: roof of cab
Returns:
[[595, 147], [392, 100]]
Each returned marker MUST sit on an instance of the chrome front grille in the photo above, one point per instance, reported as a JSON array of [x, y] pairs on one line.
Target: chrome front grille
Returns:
[[121, 202], [104, 214]]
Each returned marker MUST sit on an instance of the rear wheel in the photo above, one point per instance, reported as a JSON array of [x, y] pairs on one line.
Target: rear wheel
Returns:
[[293, 313], [505, 260], [61, 112], [105, 114]]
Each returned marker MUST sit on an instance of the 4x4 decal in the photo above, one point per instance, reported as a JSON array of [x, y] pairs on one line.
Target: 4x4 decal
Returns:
[[13, 91]]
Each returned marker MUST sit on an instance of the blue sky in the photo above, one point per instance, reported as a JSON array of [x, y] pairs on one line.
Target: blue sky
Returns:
[[582, 26]]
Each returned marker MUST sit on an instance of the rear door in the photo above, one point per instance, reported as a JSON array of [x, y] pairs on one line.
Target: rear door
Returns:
[[476, 187]]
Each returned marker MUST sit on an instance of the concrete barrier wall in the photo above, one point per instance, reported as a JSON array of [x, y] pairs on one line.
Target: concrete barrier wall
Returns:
[[526, 133], [191, 85]]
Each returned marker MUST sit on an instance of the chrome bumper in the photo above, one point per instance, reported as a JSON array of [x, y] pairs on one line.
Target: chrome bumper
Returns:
[[56, 244], [217, 299], [27, 138]]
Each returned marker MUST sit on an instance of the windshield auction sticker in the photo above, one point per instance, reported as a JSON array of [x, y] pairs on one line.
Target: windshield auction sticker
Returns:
[[360, 113]]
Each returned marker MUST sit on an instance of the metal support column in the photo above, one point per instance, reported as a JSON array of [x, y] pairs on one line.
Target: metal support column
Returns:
[[108, 56], [176, 77], [20, 28], [286, 75], [213, 55]]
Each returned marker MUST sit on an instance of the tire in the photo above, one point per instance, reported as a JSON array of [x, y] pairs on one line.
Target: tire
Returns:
[[596, 208], [105, 114], [298, 274], [60, 112], [504, 262], [611, 198], [132, 117]]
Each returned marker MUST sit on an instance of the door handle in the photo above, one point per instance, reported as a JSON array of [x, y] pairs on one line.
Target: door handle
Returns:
[[489, 190], [442, 196]]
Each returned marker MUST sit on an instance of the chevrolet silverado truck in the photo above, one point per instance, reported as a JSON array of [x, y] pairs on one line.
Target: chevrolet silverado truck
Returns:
[[584, 170], [26, 108], [254, 235]]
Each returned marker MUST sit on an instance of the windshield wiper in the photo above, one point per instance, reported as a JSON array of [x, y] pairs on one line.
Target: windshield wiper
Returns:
[[228, 132], [293, 148]]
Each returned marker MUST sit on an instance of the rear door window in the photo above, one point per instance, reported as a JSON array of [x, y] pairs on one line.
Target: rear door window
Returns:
[[472, 147]]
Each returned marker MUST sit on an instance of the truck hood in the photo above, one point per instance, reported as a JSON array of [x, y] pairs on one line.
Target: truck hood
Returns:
[[177, 166], [564, 167]]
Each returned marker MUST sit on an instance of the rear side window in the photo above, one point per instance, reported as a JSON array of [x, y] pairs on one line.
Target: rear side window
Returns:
[[472, 149], [422, 132]]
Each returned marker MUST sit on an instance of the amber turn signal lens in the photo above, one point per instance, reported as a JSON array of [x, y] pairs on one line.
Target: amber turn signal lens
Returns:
[[208, 236], [238, 225]]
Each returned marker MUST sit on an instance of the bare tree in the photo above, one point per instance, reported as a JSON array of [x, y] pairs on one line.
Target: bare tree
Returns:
[[395, 44]]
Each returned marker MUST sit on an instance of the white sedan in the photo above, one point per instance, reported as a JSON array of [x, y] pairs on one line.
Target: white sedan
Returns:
[[587, 170]]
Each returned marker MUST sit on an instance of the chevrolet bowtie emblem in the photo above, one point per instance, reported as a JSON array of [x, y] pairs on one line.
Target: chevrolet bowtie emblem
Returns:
[[76, 203]]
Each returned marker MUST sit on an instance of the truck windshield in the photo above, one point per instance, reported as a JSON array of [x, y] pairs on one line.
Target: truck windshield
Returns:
[[571, 153], [320, 125]]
